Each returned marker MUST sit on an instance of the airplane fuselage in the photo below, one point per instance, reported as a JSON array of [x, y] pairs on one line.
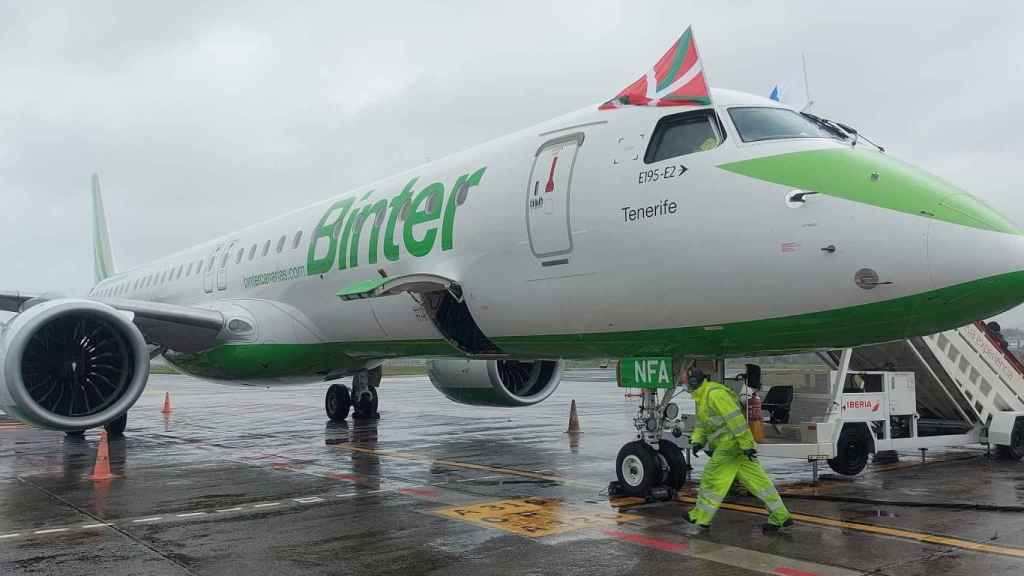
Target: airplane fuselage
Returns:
[[570, 239]]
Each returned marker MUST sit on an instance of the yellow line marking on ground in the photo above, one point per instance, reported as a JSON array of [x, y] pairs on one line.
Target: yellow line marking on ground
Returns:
[[808, 518], [534, 517], [883, 530]]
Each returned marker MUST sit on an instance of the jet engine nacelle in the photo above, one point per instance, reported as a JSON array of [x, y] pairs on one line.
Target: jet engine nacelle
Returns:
[[71, 364], [495, 382]]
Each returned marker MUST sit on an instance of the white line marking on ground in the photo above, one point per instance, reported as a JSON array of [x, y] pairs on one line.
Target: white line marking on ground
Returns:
[[153, 519], [266, 504], [365, 493], [230, 510], [308, 499], [84, 526], [191, 514], [5, 536], [51, 531]]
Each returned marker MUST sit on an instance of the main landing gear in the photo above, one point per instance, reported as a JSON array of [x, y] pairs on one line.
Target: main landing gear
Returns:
[[652, 467], [361, 399]]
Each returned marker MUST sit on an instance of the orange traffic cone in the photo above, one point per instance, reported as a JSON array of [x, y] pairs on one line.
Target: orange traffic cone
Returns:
[[101, 471], [574, 420], [167, 403]]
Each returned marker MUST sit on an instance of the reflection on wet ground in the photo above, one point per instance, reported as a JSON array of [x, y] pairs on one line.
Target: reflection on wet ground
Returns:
[[256, 480]]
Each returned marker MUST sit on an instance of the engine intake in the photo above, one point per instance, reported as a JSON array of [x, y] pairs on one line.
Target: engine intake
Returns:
[[71, 364], [495, 382]]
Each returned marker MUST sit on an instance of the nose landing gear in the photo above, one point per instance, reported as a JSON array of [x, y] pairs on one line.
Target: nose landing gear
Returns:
[[651, 467]]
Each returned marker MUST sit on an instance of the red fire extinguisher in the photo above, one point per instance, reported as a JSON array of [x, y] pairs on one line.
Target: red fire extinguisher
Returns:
[[754, 417]]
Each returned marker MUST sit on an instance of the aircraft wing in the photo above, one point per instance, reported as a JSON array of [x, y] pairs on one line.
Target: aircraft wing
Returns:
[[182, 328]]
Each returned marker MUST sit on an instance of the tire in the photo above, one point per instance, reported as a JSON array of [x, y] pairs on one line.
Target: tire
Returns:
[[1015, 451], [337, 402], [637, 468], [365, 407], [115, 428], [678, 470], [852, 452]]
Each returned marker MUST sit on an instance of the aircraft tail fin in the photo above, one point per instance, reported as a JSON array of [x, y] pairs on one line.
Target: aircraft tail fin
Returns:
[[103, 260]]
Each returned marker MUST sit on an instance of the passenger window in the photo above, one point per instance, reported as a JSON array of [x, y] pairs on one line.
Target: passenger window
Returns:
[[298, 238], [252, 252], [266, 248], [682, 134], [241, 251], [224, 259], [280, 244], [189, 271], [181, 268]]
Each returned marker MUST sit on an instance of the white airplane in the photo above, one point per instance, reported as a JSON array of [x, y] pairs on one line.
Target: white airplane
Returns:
[[672, 220]]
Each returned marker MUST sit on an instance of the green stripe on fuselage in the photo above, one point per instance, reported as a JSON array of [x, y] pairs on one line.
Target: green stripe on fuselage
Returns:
[[848, 173], [894, 319]]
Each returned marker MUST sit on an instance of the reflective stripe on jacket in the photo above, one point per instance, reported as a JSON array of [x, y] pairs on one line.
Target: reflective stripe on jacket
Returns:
[[720, 421]]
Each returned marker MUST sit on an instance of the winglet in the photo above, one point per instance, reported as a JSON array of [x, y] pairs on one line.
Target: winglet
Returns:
[[103, 260]]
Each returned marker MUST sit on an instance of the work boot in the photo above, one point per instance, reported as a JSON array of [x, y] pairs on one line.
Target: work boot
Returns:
[[703, 527], [769, 528]]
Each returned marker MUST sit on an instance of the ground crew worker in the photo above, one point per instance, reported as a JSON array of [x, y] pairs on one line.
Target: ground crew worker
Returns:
[[723, 434]]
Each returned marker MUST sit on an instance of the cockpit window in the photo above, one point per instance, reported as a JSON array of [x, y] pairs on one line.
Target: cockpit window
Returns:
[[756, 124], [682, 134]]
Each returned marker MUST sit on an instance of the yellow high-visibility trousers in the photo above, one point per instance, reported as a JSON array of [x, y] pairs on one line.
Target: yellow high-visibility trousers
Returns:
[[725, 466]]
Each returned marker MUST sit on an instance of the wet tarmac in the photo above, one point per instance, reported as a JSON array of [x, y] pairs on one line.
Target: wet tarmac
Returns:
[[257, 481]]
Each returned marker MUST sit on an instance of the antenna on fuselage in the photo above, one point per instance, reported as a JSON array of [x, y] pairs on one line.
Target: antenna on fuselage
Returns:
[[807, 85]]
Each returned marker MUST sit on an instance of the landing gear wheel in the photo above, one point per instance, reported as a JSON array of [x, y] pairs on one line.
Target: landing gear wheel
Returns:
[[852, 452], [365, 407], [337, 402], [1015, 451], [637, 468], [115, 428], [674, 468]]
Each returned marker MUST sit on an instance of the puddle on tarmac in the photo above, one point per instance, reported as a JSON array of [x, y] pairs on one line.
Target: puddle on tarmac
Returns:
[[863, 514]]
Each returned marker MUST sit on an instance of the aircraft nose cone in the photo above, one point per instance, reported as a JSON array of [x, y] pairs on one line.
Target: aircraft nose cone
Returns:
[[977, 266]]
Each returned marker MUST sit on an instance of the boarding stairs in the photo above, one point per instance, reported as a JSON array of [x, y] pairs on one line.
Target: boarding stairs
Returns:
[[988, 377], [965, 377], [968, 389]]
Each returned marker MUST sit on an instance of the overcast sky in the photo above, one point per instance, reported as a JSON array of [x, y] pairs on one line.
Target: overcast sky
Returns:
[[205, 118]]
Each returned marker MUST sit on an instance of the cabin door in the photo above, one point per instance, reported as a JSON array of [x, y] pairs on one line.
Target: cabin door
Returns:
[[548, 199]]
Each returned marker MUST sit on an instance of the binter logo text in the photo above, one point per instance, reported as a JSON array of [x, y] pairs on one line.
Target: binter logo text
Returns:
[[355, 231]]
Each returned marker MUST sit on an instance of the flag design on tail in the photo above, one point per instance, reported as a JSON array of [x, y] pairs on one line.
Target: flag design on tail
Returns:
[[676, 80]]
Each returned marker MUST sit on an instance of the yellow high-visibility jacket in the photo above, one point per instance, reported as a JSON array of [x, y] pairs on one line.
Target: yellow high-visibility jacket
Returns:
[[720, 421]]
